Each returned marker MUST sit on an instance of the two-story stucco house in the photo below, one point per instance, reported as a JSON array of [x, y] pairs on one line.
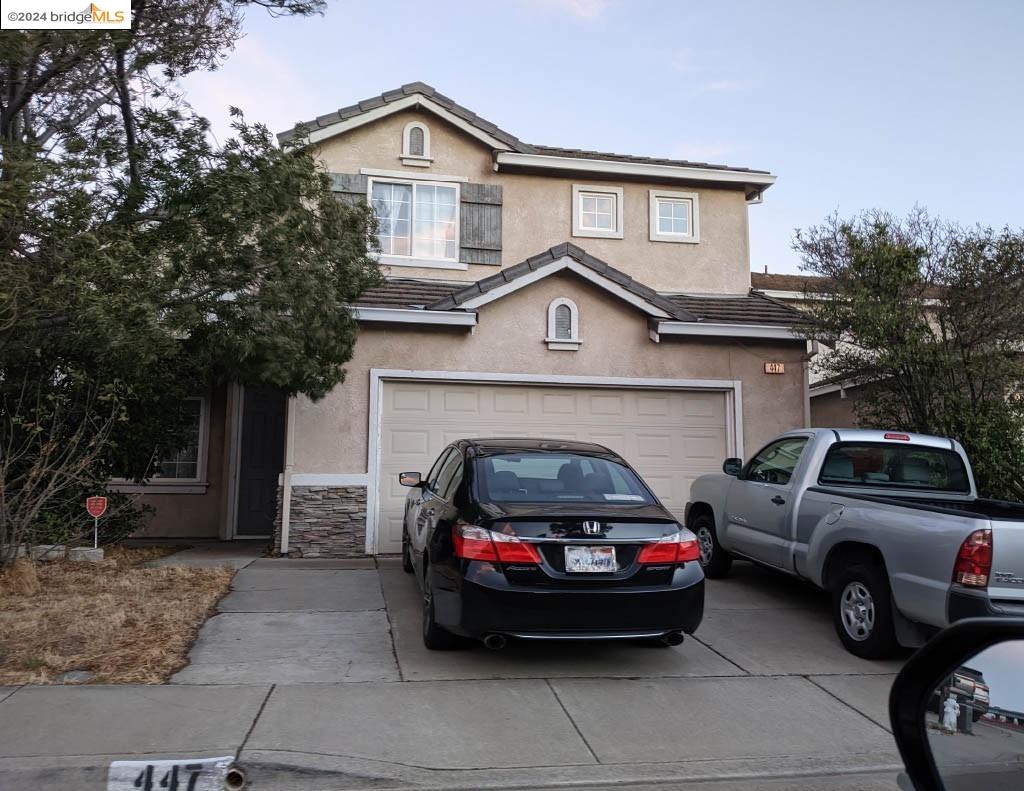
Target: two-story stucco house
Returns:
[[531, 291]]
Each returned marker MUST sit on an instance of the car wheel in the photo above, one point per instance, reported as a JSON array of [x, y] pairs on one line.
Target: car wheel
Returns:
[[715, 561], [407, 566], [862, 610], [434, 637]]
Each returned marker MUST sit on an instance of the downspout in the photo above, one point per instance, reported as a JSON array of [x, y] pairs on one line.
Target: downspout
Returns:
[[812, 351], [286, 478]]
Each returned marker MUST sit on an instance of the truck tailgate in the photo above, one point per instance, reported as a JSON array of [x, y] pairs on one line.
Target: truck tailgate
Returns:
[[1007, 579]]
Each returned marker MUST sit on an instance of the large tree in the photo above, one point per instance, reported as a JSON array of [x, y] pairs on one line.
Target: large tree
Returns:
[[928, 317], [140, 263]]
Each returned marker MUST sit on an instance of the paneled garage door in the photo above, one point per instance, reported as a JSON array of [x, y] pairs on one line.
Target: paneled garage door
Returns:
[[669, 436]]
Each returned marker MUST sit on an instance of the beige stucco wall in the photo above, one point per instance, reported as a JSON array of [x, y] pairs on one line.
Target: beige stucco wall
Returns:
[[331, 435], [537, 211], [195, 515]]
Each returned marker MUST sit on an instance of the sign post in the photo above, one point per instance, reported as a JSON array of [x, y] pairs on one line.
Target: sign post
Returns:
[[96, 506]]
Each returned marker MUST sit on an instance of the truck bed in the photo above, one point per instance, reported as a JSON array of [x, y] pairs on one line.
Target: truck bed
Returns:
[[989, 509]]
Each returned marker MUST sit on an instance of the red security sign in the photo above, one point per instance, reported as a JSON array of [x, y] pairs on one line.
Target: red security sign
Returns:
[[96, 506]]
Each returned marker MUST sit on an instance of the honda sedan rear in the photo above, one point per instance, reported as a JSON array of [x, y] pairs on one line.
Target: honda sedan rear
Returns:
[[546, 539]]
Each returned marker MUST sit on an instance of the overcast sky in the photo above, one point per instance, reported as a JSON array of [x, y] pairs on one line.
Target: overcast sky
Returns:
[[852, 104]]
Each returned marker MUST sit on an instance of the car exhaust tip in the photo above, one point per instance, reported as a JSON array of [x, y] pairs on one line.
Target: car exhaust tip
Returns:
[[495, 642], [672, 638], [235, 779]]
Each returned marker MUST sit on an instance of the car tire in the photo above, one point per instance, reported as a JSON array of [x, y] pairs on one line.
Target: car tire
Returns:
[[407, 565], [715, 561], [434, 637], [862, 610]]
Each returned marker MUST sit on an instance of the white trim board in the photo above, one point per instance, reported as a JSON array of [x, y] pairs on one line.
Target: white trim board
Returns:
[[414, 316], [566, 262], [413, 100], [647, 169], [405, 174], [706, 328], [329, 479], [732, 388]]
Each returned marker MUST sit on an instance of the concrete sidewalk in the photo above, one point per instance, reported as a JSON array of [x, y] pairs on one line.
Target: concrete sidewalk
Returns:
[[314, 676]]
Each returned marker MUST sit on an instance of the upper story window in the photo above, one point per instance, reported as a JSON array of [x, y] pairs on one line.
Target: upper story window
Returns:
[[416, 145], [596, 211], [417, 220], [563, 325], [674, 217]]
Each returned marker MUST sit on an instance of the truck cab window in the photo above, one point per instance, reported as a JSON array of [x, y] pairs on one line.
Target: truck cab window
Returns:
[[776, 462]]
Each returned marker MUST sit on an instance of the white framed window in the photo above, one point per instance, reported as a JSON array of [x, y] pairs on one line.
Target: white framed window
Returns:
[[596, 211], [182, 471], [416, 145], [675, 217], [563, 325], [418, 222]]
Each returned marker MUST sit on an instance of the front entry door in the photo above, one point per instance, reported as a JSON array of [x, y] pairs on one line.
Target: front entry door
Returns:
[[261, 460]]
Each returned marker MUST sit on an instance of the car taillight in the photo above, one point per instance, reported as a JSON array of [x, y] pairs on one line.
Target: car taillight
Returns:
[[897, 435], [974, 560], [477, 543], [676, 548]]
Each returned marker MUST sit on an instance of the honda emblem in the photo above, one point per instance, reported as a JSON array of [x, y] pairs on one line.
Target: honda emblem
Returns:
[[591, 528]]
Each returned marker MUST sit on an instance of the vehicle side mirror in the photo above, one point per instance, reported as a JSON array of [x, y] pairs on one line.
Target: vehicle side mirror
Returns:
[[410, 479], [957, 707], [732, 467]]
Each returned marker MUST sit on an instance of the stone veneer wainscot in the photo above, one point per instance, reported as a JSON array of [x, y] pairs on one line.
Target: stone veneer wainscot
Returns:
[[326, 522]]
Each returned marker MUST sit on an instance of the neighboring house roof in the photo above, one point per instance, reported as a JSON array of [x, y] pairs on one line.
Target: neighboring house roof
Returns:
[[432, 295], [808, 284], [419, 94]]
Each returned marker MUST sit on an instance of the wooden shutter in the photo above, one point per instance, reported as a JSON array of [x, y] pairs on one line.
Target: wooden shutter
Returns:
[[349, 187], [480, 234]]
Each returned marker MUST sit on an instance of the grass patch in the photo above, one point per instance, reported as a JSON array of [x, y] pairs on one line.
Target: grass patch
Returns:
[[119, 620]]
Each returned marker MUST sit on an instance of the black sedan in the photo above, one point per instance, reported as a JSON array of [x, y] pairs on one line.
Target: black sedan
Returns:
[[546, 539]]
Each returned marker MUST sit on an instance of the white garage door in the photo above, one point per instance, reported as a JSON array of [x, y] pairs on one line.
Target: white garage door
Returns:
[[669, 436]]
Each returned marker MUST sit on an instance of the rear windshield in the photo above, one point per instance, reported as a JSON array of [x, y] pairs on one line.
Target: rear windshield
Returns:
[[557, 478], [882, 465]]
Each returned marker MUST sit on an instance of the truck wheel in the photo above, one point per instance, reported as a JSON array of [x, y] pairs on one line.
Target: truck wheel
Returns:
[[715, 561], [862, 610]]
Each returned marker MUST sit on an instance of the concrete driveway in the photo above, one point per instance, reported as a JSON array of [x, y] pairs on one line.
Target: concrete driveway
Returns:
[[314, 675]]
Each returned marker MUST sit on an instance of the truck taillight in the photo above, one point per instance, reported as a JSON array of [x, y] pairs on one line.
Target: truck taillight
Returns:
[[897, 435], [974, 560], [477, 543], [676, 548]]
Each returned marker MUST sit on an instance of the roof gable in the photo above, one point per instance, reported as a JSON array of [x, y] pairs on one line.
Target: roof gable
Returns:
[[559, 258]]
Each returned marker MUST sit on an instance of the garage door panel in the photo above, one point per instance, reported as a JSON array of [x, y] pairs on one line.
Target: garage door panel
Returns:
[[670, 437]]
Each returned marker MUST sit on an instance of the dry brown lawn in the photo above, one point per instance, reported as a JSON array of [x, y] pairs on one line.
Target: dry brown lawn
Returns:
[[117, 619]]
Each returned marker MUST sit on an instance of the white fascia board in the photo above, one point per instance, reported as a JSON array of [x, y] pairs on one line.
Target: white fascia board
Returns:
[[413, 316], [632, 168], [413, 100], [709, 329], [565, 262]]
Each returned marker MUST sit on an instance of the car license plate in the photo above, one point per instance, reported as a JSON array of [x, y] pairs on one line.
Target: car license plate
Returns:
[[590, 559], [185, 774]]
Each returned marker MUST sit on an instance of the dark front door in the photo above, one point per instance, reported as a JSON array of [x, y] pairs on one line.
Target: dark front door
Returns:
[[262, 460]]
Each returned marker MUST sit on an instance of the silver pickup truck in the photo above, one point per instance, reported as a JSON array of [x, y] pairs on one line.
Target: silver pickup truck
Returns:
[[890, 523]]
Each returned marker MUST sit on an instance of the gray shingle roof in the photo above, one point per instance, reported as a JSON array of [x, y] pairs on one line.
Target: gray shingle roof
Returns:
[[753, 308], [509, 274], [513, 142]]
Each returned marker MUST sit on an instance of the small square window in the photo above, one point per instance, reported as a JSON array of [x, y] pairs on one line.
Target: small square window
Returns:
[[674, 217], [597, 211]]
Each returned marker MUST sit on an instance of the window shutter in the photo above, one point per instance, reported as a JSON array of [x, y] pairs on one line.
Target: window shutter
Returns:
[[480, 234], [563, 322], [349, 187]]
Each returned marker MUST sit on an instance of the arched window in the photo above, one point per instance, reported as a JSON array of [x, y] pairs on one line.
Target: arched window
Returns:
[[416, 144], [563, 325]]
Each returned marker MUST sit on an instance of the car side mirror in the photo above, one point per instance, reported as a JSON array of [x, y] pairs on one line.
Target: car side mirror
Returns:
[[732, 467], [410, 479], [957, 707]]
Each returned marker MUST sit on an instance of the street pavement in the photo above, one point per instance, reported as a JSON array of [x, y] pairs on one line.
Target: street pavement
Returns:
[[314, 676]]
